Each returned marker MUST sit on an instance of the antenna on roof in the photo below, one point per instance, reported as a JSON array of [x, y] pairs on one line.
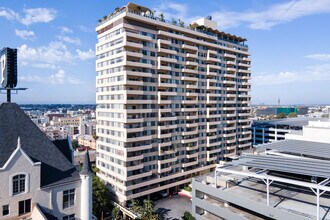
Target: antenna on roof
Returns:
[[8, 74]]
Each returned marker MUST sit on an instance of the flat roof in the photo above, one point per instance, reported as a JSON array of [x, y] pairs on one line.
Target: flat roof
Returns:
[[297, 147], [308, 167], [298, 122]]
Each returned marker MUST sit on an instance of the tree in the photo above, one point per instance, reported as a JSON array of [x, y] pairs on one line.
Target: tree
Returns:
[[281, 115], [188, 216], [181, 23], [161, 17], [101, 195], [174, 21], [146, 212], [136, 207], [95, 137], [75, 144], [293, 115], [116, 213]]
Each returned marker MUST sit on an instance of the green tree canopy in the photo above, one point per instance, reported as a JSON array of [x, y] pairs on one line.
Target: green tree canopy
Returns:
[[293, 115], [281, 115], [187, 216], [75, 144], [101, 196]]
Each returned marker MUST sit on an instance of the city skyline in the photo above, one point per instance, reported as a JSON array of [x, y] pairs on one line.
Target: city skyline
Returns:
[[56, 46]]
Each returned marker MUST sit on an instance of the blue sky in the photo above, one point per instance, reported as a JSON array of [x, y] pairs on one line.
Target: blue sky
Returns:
[[288, 40]]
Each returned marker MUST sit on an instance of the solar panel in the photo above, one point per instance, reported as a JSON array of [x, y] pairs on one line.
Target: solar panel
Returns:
[[318, 168], [307, 148]]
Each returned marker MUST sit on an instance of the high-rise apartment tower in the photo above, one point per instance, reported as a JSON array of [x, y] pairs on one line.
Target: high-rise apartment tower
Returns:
[[172, 100]]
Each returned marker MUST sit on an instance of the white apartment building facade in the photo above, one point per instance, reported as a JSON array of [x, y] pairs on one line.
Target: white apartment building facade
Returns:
[[172, 101]]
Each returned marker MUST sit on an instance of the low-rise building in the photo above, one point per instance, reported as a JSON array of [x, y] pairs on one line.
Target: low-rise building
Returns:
[[264, 131], [37, 177]]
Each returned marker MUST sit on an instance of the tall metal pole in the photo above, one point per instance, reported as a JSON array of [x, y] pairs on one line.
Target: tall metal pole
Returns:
[[8, 95]]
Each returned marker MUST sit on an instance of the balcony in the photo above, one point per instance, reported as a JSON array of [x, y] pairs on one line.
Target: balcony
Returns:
[[192, 155], [189, 47], [231, 63], [167, 59], [169, 160], [246, 59], [163, 50], [191, 63], [138, 64], [189, 78], [138, 36], [133, 45], [185, 70], [191, 55], [162, 41], [189, 164], [227, 55]]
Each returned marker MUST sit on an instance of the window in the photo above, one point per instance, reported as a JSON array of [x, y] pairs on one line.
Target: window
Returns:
[[68, 198], [5, 210], [19, 184], [24, 206], [69, 217]]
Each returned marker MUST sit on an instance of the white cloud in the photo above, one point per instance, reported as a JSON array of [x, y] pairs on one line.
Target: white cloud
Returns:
[[53, 53], [25, 34], [66, 30], [8, 14], [71, 40], [309, 74], [30, 15], [321, 57], [57, 78], [85, 29], [31, 78], [173, 10], [43, 66], [274, 15], [38, 15], [61, 78], [85, 55]]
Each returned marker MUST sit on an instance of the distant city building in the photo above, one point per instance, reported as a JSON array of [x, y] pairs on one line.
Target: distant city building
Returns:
[[86, 141], [264, 131], [274, 110], [172, 101], [38, 178]]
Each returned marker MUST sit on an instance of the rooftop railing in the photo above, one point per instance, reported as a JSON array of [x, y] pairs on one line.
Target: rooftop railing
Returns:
[[172, 22]]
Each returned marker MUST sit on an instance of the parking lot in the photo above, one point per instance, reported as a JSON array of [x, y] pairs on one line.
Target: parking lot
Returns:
[[173, 207]]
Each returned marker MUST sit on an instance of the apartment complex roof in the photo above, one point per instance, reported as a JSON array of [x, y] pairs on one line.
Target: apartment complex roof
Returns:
[[296, 122], [55, 167], [317, 168], [300, 148]]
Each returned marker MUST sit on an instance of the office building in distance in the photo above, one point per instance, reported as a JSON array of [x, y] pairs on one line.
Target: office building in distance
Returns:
[[172, 100], [264, 131]]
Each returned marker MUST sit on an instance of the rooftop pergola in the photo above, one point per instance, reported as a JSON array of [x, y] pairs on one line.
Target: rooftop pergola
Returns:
[[306, 149], [265, 163]]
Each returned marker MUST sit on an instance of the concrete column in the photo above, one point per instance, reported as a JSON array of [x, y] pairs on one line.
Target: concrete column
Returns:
[[86, 196]]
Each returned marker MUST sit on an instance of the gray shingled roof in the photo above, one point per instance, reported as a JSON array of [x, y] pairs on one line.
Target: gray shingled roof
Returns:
[[14, 123], [86, 167]]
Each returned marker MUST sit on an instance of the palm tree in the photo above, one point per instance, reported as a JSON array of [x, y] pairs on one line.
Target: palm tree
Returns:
[[116, 213], [148, 210], [136, 207]]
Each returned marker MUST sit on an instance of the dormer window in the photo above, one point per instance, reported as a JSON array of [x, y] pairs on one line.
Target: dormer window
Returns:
[[19, 184]]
